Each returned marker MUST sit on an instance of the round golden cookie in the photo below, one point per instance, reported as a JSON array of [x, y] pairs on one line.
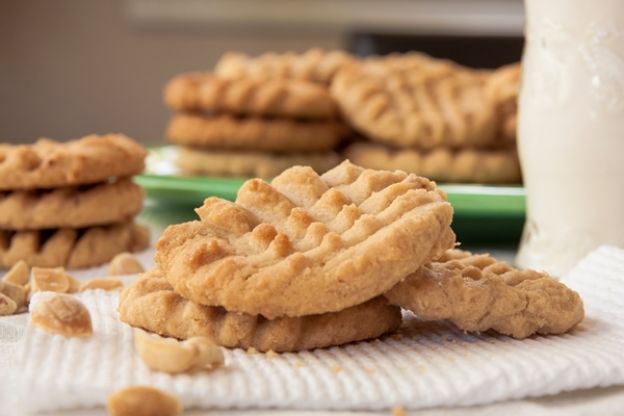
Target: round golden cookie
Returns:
[[442, 164], [71, 248], [249, 164], [70, 207], [307, 244], [150, 303], [478, 293], [225, 132], [314, 65], [249, 97], [432, 106], [51, 164]]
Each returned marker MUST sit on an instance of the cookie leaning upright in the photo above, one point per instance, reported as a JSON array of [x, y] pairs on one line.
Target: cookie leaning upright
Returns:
[[431, 117], [70, 203], [307, 244], [418, 103]]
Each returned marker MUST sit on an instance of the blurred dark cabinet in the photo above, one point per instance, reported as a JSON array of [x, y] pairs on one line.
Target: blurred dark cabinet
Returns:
[[470, 50]]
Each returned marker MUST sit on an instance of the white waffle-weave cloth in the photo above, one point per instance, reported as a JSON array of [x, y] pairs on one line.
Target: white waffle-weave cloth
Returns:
[[430, 365]]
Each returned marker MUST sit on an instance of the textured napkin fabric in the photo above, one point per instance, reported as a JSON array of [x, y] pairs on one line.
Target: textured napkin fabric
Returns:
[[426, 365]]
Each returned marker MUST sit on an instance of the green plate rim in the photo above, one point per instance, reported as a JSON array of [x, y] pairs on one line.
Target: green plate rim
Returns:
[[469, 200]]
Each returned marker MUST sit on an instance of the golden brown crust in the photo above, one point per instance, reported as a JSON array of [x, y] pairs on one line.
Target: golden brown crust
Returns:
[[250, 97], [226, 132], [249, 164], [307, 244], [69, 247], [503, 88], [70, 207], [314, 65], [444, 165], [50, 164], [416, 105], [478, 293], [151, 303]]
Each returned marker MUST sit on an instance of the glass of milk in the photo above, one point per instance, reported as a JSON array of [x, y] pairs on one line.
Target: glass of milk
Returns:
[[571, 131]]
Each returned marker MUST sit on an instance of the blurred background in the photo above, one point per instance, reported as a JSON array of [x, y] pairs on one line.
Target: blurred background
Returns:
[[70, 67]]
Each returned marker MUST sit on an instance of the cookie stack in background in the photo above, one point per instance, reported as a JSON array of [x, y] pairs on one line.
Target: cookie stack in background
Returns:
[[260, 115], [311, 261], [70, 204], [250, 126], [431, 117]]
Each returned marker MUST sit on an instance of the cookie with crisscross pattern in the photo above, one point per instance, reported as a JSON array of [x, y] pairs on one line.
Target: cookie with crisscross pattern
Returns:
[[307, 244], [441, 164], [478, 293], [72, 248], [50, 164], [70, 207], [226, 132], [314, 65], [251, 163], [151, 303], [432, 106], [248, 96]]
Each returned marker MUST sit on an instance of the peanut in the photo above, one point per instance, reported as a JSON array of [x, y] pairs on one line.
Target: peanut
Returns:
[[7, 305], [15, 292], [49, 279], [143, 401], [101, 283], [173, 356], [18, 274], [124, 263], [62, 314], [74, 284]]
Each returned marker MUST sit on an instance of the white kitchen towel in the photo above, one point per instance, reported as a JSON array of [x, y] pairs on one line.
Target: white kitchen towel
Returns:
[[427, 365]]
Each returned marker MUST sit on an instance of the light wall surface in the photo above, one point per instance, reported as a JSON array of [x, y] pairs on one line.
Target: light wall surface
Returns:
[[73, 67]]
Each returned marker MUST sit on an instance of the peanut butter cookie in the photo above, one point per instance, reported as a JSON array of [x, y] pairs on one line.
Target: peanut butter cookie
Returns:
[[225, 132], [70, 247], [307, 244], [249, 97], [478, 293], [70, 207], [50, 164], [314, 65], [151, 303], [442, 164], [429, 107], [249, 164]]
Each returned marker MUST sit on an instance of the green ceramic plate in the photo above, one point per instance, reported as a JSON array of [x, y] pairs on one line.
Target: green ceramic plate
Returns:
[[482, 213]]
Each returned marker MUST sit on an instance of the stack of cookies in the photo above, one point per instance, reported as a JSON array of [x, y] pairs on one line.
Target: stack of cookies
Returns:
[[249, 126], [431, 117], [311, 261], [70, 204]]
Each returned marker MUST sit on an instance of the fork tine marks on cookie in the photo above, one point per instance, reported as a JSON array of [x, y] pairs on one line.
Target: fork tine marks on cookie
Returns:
[[478, 293], [317, 241], [344, 173], [301, 184], [264, 201], [227, 215]]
